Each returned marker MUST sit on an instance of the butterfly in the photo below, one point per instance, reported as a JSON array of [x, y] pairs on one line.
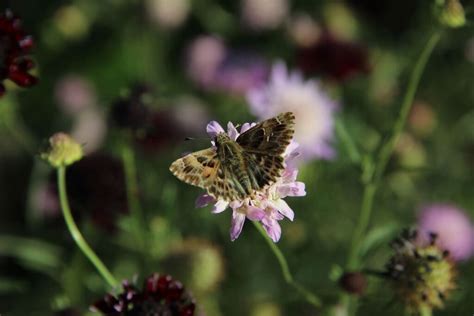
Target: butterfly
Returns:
[[236, 169]]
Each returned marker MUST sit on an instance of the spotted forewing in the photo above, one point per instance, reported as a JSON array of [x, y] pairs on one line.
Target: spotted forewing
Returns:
[[256, 160]]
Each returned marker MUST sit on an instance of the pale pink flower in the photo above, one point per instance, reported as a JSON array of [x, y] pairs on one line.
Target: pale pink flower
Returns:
[[313, 108], [268, 206], [453, 227]]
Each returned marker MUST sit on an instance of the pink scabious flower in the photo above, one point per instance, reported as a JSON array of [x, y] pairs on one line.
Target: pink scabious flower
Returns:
[[452, 226], [314, 110], [268, 206], [215, 67]]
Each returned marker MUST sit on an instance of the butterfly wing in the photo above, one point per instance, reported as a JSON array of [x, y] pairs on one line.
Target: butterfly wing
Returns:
[[271, 136], [198, 168], [203, 169], [263, 169], [261, 160], [263, 147]]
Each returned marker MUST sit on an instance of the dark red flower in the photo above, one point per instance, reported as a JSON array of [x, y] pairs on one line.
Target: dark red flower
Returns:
[[160, 296], [132, 111], [154, 129], [15, 45], [332, 57]]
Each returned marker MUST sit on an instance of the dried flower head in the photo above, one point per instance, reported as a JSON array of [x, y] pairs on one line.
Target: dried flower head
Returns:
[[422, 275], [63, 151], [160, 295], [15, 45]]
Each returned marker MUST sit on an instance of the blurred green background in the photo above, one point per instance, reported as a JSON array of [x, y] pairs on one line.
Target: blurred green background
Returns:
[[115, 44]]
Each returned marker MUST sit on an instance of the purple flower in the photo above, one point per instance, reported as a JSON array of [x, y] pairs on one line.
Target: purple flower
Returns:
[[215, 67], [454, 229], [268, 206], [314, 110]]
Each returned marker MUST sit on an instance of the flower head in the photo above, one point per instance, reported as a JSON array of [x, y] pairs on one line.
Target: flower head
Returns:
[[454, 229], [168, 14], [14, 48], [313, 109], [132, 111], [422, 274], [268, 206], [74, 94], [353, 282], [263, 14], [64, 150], [215, 67], [451, 13], [338, 59], [160, 295]]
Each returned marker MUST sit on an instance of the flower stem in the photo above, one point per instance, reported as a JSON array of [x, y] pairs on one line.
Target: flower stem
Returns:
[[387, 149], [347, 141], [129, 164], [76, 234], [309, 297], [11, 120], [372, 173]]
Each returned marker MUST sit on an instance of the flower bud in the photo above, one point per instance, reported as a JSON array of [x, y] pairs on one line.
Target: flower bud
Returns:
[[63, 151], [353, 282], [451, 13]]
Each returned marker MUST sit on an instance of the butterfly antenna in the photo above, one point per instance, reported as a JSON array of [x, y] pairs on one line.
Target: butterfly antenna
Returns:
[[196, 138]]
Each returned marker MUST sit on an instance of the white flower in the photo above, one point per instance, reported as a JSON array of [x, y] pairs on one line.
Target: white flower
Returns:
[[313, 109]]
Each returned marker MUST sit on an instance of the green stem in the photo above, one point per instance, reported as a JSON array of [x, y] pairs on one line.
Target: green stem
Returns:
[[375, 173], [76, 234], [14, 124], [387, 149], [347, 141], [425, 311], [372, 174], [362, 224], [129, 164], [309, 297]]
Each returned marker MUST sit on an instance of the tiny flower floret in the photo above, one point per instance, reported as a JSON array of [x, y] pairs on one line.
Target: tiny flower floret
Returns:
[[64, 150], [267, 206]]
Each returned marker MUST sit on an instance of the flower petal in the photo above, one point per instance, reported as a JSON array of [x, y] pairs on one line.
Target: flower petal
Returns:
[[291, 189], [254, 213], [232, 131], [214, 128], [283, 208], [220, 206], [204, 200], [238, 220], [273, 230], [246, 126]]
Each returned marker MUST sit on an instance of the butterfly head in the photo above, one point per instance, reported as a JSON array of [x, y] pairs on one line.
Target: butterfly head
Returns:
[[221, 139]]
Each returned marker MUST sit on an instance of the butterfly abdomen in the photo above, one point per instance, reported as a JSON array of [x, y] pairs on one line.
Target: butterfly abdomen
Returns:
[[232, 156]]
